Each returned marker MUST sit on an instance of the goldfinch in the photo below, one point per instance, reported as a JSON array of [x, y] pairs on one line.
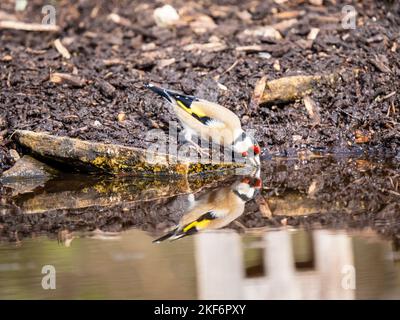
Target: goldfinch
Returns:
[[215, 209], [210, 120]]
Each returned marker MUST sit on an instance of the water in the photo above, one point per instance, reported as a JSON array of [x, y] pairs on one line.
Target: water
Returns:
[[319, 229], [288, 264]]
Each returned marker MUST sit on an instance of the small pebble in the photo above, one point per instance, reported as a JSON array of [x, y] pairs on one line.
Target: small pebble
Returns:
[[277, 65], [97, 124], [245, 119], [121, 117], [165, 16]]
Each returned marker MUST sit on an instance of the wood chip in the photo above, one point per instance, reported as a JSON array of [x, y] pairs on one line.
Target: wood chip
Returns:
[[116, 18], [289, 14], [107, 89], [61, 49], [259, 89], [312, 109], [253, 48], [16, 25], [277, 65], [361, 137], [113, 62], [222, 87], [312, 35], [165, 63], [316, 2], [261, 32], [6, 58], [203, 24], [65, 78], [380, 65], [285, 25], [208, 47]]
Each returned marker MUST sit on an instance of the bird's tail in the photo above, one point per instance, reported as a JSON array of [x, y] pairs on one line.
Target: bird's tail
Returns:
[[174, 234]]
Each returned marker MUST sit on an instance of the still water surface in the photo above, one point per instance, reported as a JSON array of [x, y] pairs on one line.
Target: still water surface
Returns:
[[286, 263], [300, 230]]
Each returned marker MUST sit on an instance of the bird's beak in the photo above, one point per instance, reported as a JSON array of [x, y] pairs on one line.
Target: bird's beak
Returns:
[[160, 91]]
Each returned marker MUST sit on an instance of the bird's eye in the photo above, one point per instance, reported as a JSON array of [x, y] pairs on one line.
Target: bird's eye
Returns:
[[245, 154], [256, 149]]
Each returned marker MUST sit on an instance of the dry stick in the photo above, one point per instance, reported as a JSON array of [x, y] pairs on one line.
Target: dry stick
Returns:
[[291, 88], [17, 25]]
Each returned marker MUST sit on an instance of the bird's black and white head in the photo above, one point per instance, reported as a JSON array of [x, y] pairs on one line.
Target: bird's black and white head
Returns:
[[248, 148], [247, 187]]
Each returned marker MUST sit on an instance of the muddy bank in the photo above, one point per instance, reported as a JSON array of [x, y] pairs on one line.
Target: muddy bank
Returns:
[[214, 52]]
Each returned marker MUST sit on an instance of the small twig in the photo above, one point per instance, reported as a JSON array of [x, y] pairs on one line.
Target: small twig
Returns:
[[389, 95], [17, 25], [61, 49], [231, 67]]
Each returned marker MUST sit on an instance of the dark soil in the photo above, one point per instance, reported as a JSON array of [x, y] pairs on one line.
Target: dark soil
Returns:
[[364, 103]]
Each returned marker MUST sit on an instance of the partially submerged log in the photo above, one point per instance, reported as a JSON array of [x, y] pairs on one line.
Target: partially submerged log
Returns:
[[113, 159]]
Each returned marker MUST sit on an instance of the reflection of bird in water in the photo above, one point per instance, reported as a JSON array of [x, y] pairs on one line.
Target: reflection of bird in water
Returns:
[[215, 209]]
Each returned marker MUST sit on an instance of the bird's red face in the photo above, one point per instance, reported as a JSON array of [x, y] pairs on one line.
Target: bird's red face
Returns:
[[254, 182], [256, 149]]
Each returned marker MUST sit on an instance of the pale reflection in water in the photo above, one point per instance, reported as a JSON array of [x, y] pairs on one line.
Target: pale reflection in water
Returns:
[[281, 264]]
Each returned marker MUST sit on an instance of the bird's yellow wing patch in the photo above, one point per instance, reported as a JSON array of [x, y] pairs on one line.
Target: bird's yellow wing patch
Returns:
[[192, 109], [197, 224], [197, 112]]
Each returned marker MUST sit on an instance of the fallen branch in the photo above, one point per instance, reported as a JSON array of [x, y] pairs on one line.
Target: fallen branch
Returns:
[[291, 88], [17, 25]]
